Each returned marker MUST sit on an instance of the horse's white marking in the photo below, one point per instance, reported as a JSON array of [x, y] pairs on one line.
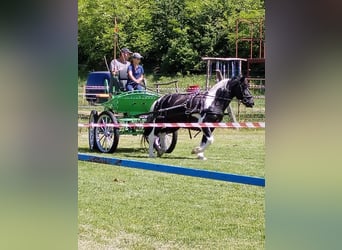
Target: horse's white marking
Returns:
[[200, 149], [218, 85], [209, 141], [162, 144], [197, 150], [212, 92], [153, 105], [201, 156], [208, 101], [151, 139]]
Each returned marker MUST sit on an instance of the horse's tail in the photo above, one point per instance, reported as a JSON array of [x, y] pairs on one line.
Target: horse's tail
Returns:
[[144, 140], [148, 130]]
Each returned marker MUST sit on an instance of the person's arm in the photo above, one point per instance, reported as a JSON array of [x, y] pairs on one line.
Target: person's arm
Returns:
[[130, 74], [114, 67], [141, 78]]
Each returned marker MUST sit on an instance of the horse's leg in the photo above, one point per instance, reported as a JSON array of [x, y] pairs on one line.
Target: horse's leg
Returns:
[[207, 140], [162, 144], [151, 139]]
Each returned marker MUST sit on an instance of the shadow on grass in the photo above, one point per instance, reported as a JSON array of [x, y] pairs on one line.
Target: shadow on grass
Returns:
[[134, 153], [164, 157], [117, 151]]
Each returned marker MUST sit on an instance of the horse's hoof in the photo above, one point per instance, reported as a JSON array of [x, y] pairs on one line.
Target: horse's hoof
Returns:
[[152, 156], [196, 150], [203, 158]]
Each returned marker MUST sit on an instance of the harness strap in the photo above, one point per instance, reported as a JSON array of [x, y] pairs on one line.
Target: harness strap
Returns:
[[194, 104]]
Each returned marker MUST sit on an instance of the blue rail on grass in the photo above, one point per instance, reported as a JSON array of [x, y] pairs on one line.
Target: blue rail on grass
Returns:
[[201, 173]]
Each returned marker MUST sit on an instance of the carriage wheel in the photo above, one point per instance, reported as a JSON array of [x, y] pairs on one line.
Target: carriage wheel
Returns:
[[91, 131], [170, 140], [107, 138]]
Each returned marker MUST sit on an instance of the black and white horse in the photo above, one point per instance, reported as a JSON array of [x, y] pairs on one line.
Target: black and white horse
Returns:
[[200, 107]]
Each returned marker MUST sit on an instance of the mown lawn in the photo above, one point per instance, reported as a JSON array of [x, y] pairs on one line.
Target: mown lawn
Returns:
[[121, 208]]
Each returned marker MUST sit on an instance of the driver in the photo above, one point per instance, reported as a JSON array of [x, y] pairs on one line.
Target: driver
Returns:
[[117, 65], [122, 62]]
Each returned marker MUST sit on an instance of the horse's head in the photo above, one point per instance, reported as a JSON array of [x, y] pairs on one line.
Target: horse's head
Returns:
[[239, 88]]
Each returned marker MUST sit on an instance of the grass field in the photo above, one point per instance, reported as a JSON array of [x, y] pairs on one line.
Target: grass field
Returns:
[[122, 208]]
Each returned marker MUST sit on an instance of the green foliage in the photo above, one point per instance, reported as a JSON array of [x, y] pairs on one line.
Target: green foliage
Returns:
[[172, 35]]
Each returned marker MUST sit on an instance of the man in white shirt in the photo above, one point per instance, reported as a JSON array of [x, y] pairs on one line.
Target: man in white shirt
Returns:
[[122, 62], [116, 65]]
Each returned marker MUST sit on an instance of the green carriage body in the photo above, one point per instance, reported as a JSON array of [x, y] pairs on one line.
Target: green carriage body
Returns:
[[123, 108], [131, 104], [129, 107]]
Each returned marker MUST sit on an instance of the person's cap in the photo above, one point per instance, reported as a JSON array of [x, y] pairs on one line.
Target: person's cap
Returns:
[[137, 55], [125, 50]]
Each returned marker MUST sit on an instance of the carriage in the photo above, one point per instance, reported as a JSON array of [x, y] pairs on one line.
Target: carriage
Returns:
[[123, 108], [133, 107]]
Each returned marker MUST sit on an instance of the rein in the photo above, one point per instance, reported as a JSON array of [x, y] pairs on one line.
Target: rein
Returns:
[[161, 110], [205, 94], [222, 98]]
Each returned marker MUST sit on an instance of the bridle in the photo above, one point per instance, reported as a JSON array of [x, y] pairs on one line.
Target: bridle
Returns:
[[228, 86], [245, 95]]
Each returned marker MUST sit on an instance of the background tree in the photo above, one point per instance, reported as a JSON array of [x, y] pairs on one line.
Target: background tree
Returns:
[[172, 35]]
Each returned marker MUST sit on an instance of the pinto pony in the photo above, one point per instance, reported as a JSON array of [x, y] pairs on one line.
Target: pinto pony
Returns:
[[206, 106]]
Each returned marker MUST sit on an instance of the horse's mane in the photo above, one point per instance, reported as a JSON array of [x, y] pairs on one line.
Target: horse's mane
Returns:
[[222, 84], [217, 86]]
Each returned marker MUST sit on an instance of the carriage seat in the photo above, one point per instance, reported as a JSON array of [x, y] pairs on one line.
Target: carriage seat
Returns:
[[120, 81], [123, 78]]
